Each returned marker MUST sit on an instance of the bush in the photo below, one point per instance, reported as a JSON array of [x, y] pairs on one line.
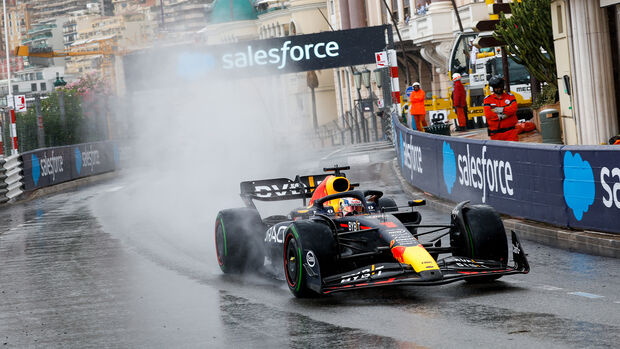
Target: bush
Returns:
[[547, 96]]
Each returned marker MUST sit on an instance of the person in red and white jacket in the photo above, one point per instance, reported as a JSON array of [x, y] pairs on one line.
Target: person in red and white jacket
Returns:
[[459, 101], [500, 109]]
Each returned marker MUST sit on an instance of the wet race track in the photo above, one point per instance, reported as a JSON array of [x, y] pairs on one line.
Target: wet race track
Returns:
[[124, 264]]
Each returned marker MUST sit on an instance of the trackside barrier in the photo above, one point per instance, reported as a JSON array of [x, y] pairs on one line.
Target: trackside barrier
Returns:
[[50, 166], [10, 178], [568, 186]]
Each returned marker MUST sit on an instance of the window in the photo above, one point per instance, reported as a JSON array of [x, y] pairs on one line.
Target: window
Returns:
[[33, 87], [15, 89], [43, 86], [39, 75]]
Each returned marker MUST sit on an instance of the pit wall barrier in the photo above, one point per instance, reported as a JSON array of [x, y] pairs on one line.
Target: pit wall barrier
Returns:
[[51, 166], [569, 186]]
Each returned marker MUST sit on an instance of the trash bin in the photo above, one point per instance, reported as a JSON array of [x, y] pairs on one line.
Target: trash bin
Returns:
[[550, 126], [438, 129]]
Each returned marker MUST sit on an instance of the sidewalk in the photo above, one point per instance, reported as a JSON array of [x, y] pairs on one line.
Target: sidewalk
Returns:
[[481, 134], [591, 242]]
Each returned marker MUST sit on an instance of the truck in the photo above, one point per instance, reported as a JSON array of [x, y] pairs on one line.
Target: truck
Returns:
[[477, 72]]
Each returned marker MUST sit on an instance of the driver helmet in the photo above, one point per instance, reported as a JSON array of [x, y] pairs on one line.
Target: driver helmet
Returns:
[[456, 77], [351, 206]]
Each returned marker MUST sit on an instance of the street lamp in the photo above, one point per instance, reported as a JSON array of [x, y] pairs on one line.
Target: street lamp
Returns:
[[59, 84], [366, 77], [357, 79], [366, 81], [379, 77]]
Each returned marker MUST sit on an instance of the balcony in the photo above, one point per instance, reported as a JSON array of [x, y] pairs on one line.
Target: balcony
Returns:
[[440, 22]]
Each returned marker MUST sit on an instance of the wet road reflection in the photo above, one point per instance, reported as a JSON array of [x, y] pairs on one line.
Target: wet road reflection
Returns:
[[90, 268]]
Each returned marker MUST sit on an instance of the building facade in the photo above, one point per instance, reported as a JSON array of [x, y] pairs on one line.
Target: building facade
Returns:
[[587, 45], [274, 18]]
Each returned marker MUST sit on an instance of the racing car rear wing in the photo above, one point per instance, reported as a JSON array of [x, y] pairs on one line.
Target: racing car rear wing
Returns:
[[277, 189]]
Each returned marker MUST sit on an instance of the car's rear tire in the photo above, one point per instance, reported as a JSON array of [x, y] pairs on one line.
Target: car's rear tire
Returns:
[[239, 235], [304, 240], [484, 238]]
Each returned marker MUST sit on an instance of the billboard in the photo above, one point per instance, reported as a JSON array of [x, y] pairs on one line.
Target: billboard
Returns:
[[50, 166], [280, 55], [569, 186]]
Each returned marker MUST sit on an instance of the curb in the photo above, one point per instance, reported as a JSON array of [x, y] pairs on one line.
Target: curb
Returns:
[[596, 243], [80, 182]]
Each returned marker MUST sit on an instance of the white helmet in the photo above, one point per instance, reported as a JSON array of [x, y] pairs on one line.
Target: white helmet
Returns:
[[456, 77], [416, 84]]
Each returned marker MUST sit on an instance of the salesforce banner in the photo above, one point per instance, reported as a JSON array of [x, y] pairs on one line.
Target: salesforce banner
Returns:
[[52, 166], [575, 187], [287, 54]]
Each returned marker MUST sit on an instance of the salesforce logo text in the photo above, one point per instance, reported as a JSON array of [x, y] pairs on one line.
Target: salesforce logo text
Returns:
[[50, 166], [611, 196], [280, 56], [90, 158], [485, 174], [413, 157]]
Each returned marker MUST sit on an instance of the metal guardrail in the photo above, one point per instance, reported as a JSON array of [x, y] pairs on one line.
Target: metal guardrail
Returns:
[[10, 178]]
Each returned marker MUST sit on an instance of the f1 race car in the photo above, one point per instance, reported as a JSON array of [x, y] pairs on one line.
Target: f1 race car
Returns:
[[348, 239]]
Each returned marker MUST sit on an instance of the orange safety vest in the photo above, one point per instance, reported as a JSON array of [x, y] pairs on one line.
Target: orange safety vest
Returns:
[[417, 102]]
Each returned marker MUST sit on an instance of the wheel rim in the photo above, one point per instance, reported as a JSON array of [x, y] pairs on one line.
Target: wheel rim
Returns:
[[220, 242], [291, 261]]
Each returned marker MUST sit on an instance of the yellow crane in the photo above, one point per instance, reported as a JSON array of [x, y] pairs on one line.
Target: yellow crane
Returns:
[[104, 47]]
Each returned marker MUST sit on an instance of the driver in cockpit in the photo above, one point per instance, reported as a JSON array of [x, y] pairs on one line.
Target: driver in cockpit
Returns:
[[351, 206]]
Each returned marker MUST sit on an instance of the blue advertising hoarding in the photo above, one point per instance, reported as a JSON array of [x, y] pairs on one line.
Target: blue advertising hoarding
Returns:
[[50, 166], [577, 187]]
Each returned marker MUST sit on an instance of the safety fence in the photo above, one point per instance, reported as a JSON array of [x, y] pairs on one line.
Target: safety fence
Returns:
[[568, 186], [50, 166], [355, 129]]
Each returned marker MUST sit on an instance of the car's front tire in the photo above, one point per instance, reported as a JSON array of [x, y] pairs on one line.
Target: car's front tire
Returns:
[[310, 245], [483, 237]]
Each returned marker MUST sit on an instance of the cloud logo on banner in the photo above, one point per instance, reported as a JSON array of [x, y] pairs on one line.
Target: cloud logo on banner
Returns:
[[78, 160], [449, 166], [578, 184], [36, 169]]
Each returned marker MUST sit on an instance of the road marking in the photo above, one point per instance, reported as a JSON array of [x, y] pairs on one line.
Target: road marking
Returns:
[[111, 190], [550, 288], [585, 294]]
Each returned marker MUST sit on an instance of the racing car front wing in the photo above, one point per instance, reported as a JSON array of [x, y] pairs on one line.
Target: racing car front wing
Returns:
[[451, 269]]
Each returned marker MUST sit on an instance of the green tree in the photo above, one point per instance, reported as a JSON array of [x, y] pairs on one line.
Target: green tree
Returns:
[[529, 38], [83, 100]]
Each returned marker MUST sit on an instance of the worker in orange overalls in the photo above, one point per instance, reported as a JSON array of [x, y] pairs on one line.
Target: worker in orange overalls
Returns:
[[459, 101], [418, 110], [500, 109]]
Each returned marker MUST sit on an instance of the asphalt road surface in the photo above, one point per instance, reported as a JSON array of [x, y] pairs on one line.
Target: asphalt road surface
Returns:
[[131, 263]]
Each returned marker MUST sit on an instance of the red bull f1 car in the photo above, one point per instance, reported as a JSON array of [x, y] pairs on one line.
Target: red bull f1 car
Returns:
[[347, 239]]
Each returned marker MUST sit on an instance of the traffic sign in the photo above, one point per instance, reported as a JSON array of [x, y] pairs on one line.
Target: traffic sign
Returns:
[[485, 41], [381, 59], [20, 102], [409, 90]]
